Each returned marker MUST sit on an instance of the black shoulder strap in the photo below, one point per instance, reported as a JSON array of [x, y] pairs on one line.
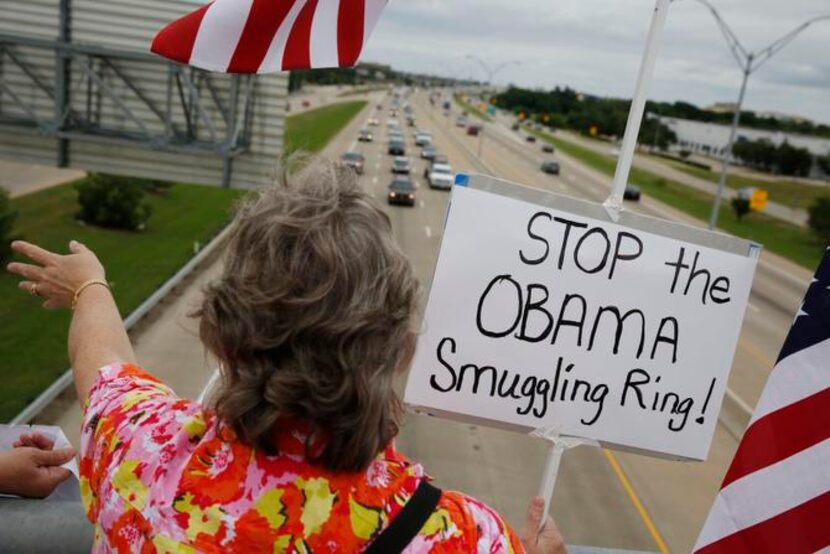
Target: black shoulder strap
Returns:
[[408, 522]]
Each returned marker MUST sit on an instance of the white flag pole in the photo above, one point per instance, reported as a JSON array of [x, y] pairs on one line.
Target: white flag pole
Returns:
[[613, 205], [635, 114]]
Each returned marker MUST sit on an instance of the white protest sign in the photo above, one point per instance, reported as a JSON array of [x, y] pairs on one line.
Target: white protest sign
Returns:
[[539, 316]]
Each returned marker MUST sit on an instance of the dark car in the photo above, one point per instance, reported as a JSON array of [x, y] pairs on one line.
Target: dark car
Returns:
[[515, 127], [355, 160], [547, 148], [632, 192], [473, 130], [530, 138], [401, 165], [365, 135], [397, 147], [550, 167], [402, 191]]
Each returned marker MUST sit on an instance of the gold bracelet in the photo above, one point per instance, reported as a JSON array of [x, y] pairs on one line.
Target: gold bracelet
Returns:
[[84, 285]]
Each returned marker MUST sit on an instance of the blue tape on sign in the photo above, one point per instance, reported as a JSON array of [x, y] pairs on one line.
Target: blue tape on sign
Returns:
[[462, 179]]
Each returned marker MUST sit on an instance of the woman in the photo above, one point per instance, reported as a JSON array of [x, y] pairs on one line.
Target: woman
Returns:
[[311, 324]]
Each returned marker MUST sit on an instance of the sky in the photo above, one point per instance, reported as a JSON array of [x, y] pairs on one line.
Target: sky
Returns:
[[595, 46]]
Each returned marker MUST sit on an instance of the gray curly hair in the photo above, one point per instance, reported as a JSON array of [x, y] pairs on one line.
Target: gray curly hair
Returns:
[[311, 318]]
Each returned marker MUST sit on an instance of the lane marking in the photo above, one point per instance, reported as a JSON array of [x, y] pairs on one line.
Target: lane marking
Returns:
[[652, 529], [755, 352], [422, 203], [377, 165], [375, 180], [428, 232]]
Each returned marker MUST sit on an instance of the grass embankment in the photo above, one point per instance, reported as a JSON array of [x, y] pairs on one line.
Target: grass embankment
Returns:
[[312, 130], [787, 240], [33, 340], [472, 110], [782, 191]]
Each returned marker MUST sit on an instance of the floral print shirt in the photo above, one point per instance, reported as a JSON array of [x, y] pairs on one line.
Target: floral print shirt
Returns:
[[160, 474]]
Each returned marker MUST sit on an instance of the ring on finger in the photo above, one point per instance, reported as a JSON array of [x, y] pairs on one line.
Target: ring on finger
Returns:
[[33, 290]]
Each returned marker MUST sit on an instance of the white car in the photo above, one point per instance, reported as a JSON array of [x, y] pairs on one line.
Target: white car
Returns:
[[441, 177], [422, 139], [392, 122], [373, 122]]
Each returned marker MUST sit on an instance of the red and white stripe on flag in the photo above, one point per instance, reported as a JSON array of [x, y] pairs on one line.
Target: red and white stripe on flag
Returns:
[[775, 497], [264, 36]]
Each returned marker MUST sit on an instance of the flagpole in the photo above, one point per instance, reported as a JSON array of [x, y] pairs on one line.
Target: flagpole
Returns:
[[638, 104]]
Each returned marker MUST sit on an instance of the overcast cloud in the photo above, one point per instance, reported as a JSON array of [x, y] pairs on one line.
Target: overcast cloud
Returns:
[[595, 47]]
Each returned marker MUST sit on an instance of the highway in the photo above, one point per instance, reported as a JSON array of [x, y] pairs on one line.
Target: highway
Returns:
[[602, 498], [615, 499]]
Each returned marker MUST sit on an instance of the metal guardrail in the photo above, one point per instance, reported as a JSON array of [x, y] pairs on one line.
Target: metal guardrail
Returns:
[[65, 380]]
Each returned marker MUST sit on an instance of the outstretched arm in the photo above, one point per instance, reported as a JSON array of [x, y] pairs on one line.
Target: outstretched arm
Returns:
[[96, 334]]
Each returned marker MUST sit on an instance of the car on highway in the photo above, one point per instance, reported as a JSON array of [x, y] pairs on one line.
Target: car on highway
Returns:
[[547, 147], [473, 130], [441, 177], [428, 152], [530, 138], [437, 159], [410, 120], [515, 127], [632, 192], [365, 135], [392, 122], [461, 121], [396, 147], [355, 160], [373, 121], [423, 138], [550, 167], [400, 165], [402, 191]]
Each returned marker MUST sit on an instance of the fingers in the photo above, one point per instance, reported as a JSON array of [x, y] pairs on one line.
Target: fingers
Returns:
[[533, 520], [29, 271], [37, 440], [33, 252], [53, 304], [76, 247], [54, 457]]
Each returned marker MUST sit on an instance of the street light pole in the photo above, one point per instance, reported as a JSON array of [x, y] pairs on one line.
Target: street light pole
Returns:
[[727, 153], [748, 62], [491, 71]]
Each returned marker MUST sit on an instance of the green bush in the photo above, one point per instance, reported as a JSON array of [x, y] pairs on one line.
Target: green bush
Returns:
[[113, 201], [7, 217], [819, 220]]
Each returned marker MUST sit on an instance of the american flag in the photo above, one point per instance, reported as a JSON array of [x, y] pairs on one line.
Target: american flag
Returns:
[[262, 36], [776, 495]]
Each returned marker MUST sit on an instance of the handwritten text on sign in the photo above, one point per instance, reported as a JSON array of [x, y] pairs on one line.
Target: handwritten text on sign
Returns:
[[538, 317]]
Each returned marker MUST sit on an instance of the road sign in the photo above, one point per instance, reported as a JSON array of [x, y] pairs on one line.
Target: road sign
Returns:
[[550, 315], [758, 200]]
